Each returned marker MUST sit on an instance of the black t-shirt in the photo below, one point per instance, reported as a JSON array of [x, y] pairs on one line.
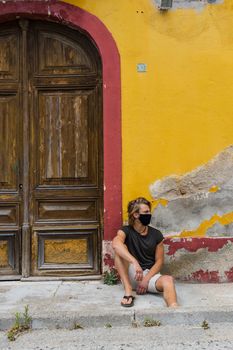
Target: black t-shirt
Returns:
[[143, 247]]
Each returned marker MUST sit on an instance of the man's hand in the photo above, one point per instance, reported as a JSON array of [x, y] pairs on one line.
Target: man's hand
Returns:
[[138, 271], [142, 287]]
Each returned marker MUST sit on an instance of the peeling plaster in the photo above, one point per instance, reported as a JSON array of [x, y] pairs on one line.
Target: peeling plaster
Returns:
[[217, 172], [229, 275], [197, 200], [190, 4], [220, 230], [107, 256], [202, 260], [214, 189], [205, 225], [210, 263], [193, 245]]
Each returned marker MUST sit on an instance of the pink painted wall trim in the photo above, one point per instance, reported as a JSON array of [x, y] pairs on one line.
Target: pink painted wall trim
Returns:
[[73, 16]]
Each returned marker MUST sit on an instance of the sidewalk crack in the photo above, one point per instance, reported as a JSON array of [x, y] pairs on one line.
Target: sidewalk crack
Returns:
[[54, 294]]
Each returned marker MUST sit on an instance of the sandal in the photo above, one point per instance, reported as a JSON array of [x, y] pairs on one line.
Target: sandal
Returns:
[[127, 297]]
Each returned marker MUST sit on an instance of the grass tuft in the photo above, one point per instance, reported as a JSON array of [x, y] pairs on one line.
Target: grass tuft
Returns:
[[149, 322], [111, 277]]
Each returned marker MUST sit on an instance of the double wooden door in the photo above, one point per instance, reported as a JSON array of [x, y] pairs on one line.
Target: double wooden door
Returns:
[[51, 156]]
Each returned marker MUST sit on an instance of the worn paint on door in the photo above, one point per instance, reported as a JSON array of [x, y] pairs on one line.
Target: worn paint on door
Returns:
[[51, 156]]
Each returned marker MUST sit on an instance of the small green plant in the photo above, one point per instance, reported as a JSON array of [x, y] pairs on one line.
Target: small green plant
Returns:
[[135, 324], [149, 322], [27, 320], [17, 320], [78, 326], [111, 277], [21, 324], [11, 334], [108, 325], [205, 325]]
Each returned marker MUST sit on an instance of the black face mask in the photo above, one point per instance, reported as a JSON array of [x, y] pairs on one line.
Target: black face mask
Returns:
[[145, 219]]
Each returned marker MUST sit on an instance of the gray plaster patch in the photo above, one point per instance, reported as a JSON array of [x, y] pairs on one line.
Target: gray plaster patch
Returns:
[[190, 201], [218, 230], [217, 172], [190, 4]]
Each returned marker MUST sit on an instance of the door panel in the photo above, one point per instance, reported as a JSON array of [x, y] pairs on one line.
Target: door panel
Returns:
[[66, 152], [63, 56], [9, 214], [10, 150], [9, 54], [66, 250], [67, 210], [9, 142], [51, 91], [7, 256], [65, 140]]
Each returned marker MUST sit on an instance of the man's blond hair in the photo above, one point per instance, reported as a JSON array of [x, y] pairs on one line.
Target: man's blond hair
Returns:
[[134, 206]]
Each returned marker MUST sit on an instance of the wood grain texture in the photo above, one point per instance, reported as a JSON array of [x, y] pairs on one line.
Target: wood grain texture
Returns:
[[9, 141], [10, 149], [51, 148]]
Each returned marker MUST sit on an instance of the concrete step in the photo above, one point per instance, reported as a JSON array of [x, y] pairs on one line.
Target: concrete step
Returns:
[[218, 336], [57, 304]]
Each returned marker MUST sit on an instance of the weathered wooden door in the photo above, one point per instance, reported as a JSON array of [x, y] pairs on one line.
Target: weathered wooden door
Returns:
[[51, 157]]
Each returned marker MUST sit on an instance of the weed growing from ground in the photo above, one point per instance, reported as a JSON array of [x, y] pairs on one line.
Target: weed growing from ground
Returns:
[[108, 325], [21, 324], [205, 325], [111, 277], [149, 322], [135, 324], [78, 326]]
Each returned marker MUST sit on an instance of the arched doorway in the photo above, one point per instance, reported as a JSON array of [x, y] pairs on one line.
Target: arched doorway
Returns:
[[51, 151]]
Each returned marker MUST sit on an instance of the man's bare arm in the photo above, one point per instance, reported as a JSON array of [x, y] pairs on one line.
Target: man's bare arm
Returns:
[[120, 248], [159, 260]]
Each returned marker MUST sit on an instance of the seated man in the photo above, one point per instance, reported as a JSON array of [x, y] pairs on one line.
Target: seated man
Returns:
[[139, 256]]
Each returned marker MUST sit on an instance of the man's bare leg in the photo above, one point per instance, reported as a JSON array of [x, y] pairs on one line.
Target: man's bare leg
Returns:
[[122, 267], [166, 285]]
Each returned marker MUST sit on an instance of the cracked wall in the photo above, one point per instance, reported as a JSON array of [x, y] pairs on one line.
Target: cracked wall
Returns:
[[199, 260], [199, 203], [197, 208], [202, 260], [190, 4]]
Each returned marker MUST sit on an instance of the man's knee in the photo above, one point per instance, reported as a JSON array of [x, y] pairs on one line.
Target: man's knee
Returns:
[[166, 281]]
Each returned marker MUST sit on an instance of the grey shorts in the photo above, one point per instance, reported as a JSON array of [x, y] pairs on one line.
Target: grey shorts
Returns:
[[151, 285]]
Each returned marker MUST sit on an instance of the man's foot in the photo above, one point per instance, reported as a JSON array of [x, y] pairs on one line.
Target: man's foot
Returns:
[[173, 305], [127, 301]]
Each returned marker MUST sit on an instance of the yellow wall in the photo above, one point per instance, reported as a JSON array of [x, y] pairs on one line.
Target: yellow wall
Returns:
[[178, 114]]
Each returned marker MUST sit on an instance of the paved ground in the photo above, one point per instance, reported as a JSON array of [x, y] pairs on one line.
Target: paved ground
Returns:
[[219, 336], [56, 307], [57, 304]]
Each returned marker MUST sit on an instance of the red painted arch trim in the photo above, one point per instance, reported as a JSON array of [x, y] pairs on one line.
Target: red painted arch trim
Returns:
[[73, 16]]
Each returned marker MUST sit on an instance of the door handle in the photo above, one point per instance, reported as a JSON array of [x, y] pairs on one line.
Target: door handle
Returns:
[[20, 186]]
